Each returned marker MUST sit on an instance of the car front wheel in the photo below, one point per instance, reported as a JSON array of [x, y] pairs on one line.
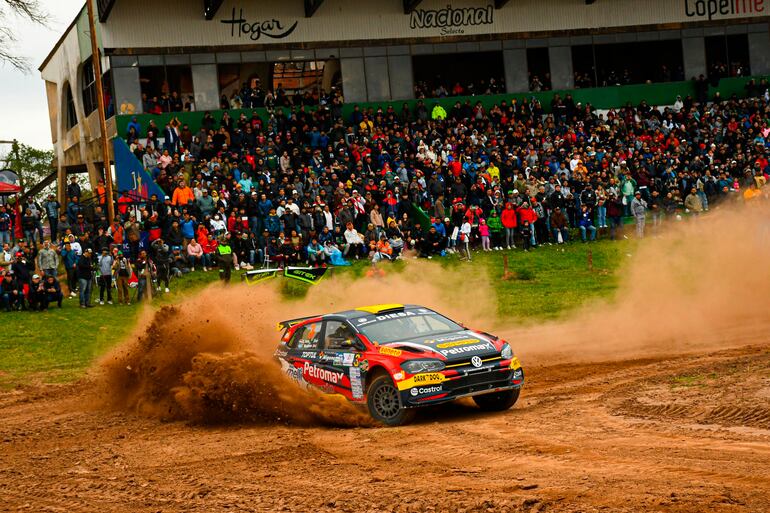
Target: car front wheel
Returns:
[[384, 404], [498, 401]]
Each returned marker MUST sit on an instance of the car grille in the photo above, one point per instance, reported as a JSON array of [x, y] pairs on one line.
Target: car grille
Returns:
[[481, 380], [464, 364]]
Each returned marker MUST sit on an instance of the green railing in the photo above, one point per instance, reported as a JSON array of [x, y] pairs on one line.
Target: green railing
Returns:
[[599, 97]]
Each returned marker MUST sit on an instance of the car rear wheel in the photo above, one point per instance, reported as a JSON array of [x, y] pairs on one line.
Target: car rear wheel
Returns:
[[384, 404], [498, 401]]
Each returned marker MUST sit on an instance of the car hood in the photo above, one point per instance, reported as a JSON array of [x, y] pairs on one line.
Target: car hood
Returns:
[[454, 346]]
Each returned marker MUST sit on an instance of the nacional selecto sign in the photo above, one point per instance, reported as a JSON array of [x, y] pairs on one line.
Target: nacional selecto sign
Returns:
[[718, 8], [451, 20]]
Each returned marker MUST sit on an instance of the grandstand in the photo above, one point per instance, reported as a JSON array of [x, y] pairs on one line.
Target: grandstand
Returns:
[[180, 58]]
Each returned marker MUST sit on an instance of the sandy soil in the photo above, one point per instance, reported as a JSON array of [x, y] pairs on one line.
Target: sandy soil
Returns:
[[683, 433]]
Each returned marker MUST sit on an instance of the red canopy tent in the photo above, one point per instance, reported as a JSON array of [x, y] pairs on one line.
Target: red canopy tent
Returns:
[[7, 188]]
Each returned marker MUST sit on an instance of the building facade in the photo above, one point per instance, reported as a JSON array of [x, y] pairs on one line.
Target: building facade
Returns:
[[380, 50]]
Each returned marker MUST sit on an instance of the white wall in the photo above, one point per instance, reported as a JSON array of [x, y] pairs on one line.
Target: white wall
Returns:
[[174, 23]]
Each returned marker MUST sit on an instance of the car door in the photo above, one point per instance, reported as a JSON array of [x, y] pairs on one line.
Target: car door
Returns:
[[303, 352], [342, 352]]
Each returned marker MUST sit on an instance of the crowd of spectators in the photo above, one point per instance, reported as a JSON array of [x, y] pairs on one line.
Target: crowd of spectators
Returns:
[[309, 187]]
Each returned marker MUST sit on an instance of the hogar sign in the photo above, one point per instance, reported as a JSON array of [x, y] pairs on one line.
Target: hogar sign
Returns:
[[451, 20], [240, 26]]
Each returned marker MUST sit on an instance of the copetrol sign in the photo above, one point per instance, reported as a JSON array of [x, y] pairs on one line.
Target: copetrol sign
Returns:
[[254, 30], [451, 20], [720, 8]]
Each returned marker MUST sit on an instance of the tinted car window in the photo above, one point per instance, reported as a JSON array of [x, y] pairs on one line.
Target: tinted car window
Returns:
[[338, 335], [307, 336]]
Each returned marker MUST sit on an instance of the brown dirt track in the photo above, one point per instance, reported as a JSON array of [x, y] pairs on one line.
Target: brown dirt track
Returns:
[[685, 433]]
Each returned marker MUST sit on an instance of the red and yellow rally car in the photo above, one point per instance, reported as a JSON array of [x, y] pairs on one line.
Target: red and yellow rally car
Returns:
[[395, 358]]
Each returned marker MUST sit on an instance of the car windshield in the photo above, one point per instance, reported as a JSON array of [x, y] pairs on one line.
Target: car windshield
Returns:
[[402, 328]]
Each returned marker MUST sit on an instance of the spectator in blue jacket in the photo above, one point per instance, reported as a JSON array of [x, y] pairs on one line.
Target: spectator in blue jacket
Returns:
[[585, 223]]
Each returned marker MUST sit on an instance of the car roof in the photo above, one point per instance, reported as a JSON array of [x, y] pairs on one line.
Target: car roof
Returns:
[[366, 312], [372, 310]]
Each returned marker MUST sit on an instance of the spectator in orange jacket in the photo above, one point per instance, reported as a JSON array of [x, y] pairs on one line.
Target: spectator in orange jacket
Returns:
[[183, 195]]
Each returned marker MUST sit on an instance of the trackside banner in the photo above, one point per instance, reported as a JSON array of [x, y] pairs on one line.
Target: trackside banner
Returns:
[[311, 275]]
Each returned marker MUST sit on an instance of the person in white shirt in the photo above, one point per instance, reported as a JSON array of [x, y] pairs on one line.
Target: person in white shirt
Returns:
[[354, 241], [465, 240], [328, 218]]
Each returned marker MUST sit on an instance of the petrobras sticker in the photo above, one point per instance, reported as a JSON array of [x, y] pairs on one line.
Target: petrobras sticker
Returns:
[[312, 371], [356, 383], [417, 391]]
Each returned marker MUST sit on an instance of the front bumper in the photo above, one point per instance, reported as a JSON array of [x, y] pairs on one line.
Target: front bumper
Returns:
[[445, 386]]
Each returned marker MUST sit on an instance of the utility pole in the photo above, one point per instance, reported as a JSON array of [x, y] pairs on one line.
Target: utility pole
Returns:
[[95, 58]]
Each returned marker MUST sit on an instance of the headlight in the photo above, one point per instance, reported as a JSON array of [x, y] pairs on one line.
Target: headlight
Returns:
[[418, 366], [506, 352]]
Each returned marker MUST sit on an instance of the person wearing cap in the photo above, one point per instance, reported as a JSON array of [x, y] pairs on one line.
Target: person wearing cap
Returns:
[[12, 292], [559, 225], [23, 267], [639, 211], [85, 275], [36, 294]]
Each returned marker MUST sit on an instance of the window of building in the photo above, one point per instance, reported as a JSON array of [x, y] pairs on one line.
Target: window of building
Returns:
[[539, 69], [72, 117], [727, 56], [300, 80], [583, 66], [89, 88], [458, 74], [260, 84], [627, 63], [166, 88]]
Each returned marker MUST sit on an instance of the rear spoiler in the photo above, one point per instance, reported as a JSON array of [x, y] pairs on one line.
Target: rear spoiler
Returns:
[[282, 325]]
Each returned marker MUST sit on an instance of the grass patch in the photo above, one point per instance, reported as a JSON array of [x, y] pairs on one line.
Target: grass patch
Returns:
[[553, 280], [58, 345], [692, 380]]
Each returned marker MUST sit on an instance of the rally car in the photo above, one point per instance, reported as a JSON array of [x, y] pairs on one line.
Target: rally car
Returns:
[[394, 358]]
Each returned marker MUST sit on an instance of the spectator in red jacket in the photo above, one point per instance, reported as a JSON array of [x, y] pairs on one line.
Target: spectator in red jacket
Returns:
[[509, 219]]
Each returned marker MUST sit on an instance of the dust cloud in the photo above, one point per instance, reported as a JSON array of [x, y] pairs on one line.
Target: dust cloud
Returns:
[[699, 284]]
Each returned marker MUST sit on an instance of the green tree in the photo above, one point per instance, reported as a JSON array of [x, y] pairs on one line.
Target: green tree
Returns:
[[32, 165]]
